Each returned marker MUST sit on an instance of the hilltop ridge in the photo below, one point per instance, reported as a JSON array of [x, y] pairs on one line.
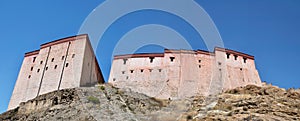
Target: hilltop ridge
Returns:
[[105, 102]]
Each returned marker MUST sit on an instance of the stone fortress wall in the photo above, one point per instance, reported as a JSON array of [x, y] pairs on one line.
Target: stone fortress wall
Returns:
[[65, 63], [184, 73]]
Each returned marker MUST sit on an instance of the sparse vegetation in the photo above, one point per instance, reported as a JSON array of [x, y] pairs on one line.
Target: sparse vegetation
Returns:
[[94, 100], [102, 88]]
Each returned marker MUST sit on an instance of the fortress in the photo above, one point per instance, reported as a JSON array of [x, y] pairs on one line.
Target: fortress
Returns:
[[184, 73], [70, 62], [65, 63]]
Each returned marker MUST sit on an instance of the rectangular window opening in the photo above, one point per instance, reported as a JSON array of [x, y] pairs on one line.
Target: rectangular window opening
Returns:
[[142, 70], [228, 55], [73, 56], [131, 71], [172, 59], [31, 69], [63, 57], [41, 62], [245, 60], [235, 57], [151, 59], [159, 70], [67, 64], [52, 60], [55, 66], [34, 58], [125, 61]]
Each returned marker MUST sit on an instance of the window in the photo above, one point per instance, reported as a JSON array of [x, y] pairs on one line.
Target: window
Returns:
[[199, 66], [228, 55], [46, 68], [34, 58], [41, 62], [124, 61], [114, 79], [241, 69], [219, 63], [159, 70], [29, 76], [150, 70], [131, 71], [172, 59], [55, 66], [52, 60], [127, 77], [235, 57], [142, 70], [151, 59], [123, 72], [67, 64], [245, 60], [38, 70], [73, 56], [63, 57], [31, 69], [199, 61]]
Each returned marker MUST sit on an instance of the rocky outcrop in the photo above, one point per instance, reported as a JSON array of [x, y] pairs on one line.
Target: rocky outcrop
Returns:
[[107, 103]]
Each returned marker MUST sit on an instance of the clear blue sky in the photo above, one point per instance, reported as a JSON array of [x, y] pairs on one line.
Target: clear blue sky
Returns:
[[269, 30]]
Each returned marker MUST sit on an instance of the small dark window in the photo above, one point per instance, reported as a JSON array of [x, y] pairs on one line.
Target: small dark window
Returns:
[[235, 57], [125, 61], [151, 59], [55, 66], [73, 56], [245, 60], [38, 70], [241, 69], [228, 55], [172, 59], [127, 77], [67, 64], [123, 72], [63, 57], [199, 61], [52, 60], [29, 76], [114, 79], [131, 71], [219, 63], [159, 70], [150, 70], [142, 70], [31, 69], [220, 69], [41, 62], [46, 68], [34, 58], [199, 66]]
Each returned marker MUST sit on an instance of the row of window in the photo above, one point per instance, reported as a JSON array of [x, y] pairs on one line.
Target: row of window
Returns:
[[38, 70], [151, 59], [235, 57], [52, 60], [142, 70]]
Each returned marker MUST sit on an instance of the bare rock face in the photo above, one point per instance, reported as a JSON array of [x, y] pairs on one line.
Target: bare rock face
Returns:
[[106, 103]]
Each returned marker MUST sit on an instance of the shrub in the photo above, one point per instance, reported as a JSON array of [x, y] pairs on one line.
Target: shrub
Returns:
[[94, 100], [102, 87]]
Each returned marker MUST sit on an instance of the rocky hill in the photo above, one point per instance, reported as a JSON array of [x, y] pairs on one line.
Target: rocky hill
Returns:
[[106, 103]]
